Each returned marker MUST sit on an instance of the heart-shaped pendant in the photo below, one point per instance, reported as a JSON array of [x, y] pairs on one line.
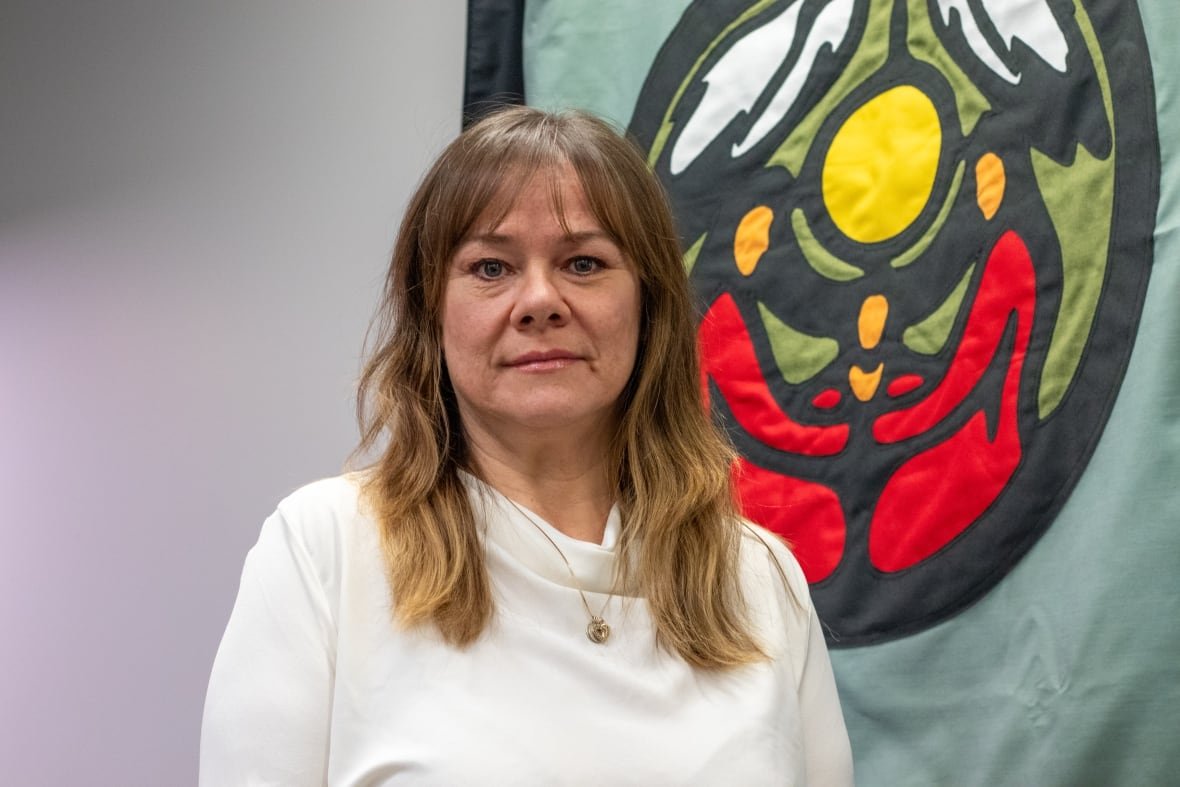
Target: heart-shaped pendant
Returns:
[[597, 630]]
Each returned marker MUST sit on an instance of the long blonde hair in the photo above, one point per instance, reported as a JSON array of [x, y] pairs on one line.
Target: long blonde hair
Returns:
[[681, 534]]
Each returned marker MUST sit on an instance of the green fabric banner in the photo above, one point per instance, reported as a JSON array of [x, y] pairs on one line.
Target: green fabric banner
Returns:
[[955, 379]]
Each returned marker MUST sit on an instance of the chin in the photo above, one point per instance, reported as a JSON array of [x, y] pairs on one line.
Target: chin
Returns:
[[560, 420], [564, 413]]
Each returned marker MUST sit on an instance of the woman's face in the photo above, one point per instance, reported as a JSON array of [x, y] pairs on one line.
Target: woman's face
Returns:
[[540, 326]]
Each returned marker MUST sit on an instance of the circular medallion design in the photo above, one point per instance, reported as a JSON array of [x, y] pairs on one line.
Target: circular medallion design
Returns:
[[921, 236]]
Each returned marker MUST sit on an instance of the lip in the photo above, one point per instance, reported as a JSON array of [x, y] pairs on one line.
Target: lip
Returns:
[[543, 361]]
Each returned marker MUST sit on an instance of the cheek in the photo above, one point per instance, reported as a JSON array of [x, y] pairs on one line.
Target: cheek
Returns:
[[468, 347], [460, 333], [635, 324], [626, 338]]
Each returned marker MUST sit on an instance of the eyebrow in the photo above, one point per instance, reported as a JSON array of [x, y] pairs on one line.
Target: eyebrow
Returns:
[[499, 239]]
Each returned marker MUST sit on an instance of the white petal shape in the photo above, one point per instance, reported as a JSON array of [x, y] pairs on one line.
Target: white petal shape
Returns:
[[975, 38], [1029, 20], [831, 26], [734, 84], [1032, 22]]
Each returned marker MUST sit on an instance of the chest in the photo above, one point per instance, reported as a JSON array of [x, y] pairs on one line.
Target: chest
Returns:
[[535, 702]]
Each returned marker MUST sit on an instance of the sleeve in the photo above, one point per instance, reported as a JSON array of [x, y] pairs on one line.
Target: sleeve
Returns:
[[826, 749], [825, 738], [268, 707]]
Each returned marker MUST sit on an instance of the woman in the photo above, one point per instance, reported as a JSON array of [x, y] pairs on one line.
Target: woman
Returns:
[[542, 579]]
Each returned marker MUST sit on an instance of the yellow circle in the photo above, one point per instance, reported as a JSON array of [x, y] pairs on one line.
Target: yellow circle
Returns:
[[881, 165]]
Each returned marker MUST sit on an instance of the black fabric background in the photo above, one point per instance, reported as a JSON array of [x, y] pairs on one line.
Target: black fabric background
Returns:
[[494, 73]]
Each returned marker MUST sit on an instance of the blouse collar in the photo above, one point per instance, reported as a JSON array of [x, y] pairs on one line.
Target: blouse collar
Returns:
[[522, 533]]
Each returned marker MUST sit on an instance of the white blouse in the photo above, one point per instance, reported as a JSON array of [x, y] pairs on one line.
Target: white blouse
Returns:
[[313, 684]]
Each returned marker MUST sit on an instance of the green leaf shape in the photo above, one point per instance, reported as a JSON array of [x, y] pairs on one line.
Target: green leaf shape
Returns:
[[929, 336], [820, 259], [1080, 200], [694, 251], [923, 243], [799, 356]]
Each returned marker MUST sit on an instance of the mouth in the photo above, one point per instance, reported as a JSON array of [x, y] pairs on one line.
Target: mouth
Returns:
[[543, 361]]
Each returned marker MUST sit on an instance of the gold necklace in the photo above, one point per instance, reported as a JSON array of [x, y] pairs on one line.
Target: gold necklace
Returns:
[[597, 629]]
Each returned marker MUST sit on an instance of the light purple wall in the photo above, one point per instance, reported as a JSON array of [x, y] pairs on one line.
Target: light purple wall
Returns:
[[197, 201]]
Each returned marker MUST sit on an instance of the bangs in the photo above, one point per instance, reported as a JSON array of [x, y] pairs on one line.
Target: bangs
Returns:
[[494, 171], [556, 174], [497, 167]]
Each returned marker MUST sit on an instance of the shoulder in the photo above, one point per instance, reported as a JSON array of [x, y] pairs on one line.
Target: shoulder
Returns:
[[777, 594], [323, 502], [766, 557], [316, 527]]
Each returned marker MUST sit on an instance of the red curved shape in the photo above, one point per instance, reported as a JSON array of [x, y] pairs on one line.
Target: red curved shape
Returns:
[[936, 495], [727, 355], [1008, 284], [805, 513], [826, 399], [904, 384]]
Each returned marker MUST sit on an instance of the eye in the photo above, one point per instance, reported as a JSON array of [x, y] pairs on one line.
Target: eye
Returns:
[[489, 269], [584, 266]]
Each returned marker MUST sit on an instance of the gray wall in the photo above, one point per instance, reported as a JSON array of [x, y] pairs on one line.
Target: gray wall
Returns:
[[197, 201]]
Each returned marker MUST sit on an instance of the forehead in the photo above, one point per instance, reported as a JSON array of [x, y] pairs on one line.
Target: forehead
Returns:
[[550, 190]]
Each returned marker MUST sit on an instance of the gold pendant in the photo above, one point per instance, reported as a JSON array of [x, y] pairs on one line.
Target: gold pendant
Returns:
[[597, 630]]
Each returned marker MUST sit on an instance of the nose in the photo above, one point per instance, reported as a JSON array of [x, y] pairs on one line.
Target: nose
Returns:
[[540, 301]]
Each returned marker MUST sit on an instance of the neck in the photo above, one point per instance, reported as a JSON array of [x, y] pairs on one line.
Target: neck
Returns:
[[561, 478]]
